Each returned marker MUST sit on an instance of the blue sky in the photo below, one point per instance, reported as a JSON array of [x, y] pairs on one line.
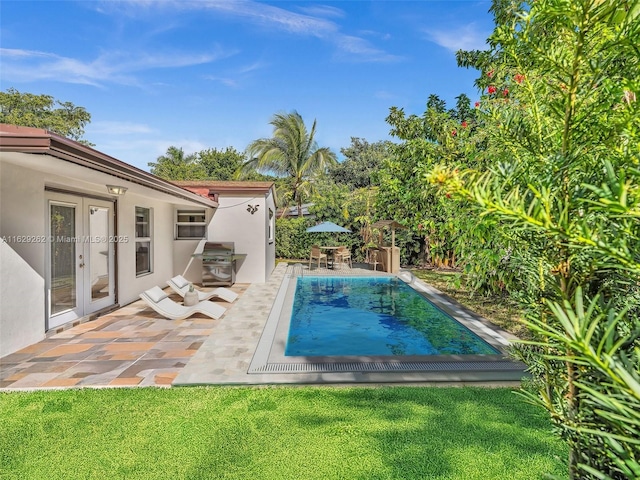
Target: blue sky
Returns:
[[210, 74]]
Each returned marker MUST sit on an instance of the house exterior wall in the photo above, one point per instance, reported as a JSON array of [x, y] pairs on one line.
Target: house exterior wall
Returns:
[[162, 255], [23, 269], [183, 264], [232, 222]]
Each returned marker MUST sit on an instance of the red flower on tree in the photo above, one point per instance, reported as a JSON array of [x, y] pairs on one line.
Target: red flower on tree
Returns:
[[464, 124], [491, 89], [519, 78], [454, 132], [477, 104], [505, 92], [490, 73]]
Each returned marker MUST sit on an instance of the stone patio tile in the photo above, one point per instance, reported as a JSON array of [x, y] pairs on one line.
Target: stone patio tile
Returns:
[[49, 367], [36, 348], [16, 376], [178, 353], [95, 341], [128, 346], [122, 356], [61, 382], [101, 334], [164, 378], [129, 382], [136, 337], [140, 367], [96, 373], [66, 350], [202, 332], [34, 380]]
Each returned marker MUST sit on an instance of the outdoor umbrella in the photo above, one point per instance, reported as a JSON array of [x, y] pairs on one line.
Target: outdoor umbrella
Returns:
[[327, 227]]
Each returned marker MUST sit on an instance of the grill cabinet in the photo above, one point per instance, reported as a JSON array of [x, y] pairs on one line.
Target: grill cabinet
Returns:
[[218, 264]]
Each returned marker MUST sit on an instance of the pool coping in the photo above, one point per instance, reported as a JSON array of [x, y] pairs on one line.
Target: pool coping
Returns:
[[269, 355], [235, 355]]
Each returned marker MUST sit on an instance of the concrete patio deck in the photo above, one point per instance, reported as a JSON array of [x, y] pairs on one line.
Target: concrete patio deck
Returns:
[[134, 346]]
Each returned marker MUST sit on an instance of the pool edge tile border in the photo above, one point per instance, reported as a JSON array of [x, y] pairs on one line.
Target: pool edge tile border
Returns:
[[420, 368]]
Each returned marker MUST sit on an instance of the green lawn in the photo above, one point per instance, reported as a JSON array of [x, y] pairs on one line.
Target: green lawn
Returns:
[[275, 433]]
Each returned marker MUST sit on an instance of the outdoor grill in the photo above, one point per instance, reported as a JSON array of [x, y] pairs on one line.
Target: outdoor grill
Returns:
[[218, 263]]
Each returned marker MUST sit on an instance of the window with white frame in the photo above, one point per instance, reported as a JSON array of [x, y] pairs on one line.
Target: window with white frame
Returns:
[[144, 237], [191, 224]]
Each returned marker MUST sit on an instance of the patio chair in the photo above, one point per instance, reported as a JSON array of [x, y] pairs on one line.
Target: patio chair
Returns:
[[373, 259], [157, 299], [343, 255], [180, 285], [316, 253]]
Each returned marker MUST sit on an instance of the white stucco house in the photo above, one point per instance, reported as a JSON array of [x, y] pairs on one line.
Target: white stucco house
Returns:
[[246, 216], [82, 233]]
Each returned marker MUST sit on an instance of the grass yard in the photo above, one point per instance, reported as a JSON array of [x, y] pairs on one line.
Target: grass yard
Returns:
[[275, 433]]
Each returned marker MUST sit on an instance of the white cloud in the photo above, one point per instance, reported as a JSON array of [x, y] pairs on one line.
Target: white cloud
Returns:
[[363, 49], [106, 127], [323, 11], [465, 37], [238, 76], [310, 23], [227, 81], [111, 67]]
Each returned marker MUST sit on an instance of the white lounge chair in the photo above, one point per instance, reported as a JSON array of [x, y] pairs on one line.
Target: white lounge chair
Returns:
[[181, 286], [157, 299]]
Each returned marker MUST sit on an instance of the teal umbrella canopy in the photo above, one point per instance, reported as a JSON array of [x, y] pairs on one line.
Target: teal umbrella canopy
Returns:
[[327, 227]]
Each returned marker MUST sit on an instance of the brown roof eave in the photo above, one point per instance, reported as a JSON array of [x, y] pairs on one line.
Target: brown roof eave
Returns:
[[38, 141], [228, 187]]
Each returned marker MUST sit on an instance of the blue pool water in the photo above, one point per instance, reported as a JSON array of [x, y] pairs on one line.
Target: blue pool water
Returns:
[[373, 316]]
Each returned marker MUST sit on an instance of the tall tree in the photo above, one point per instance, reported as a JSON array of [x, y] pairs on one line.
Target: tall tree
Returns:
[[438, 136], [44, 111], [362, 161], [292, 153], [560, 117], [219, 164], [175, 165]]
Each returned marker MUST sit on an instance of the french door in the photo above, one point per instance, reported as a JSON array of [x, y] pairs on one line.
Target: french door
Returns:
[[80, 257]]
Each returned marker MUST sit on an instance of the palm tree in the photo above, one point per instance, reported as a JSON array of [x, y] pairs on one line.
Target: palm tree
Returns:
[[292, 153], [175, 165]]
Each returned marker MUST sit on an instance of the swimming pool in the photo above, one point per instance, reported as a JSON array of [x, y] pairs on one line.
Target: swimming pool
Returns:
[[377, 316]]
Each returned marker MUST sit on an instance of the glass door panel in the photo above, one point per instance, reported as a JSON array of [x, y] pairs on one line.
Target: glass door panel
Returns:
[[99, 252], [81, 257], [63, 258]]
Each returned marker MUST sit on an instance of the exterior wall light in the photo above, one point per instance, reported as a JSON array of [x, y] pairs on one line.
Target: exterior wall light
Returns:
[[116, 190]]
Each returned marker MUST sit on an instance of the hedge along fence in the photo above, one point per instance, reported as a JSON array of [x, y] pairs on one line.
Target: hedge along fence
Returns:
[[293, 241]]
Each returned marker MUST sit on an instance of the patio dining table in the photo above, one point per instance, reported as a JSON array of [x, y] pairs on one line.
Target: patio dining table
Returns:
[[330, 255]]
